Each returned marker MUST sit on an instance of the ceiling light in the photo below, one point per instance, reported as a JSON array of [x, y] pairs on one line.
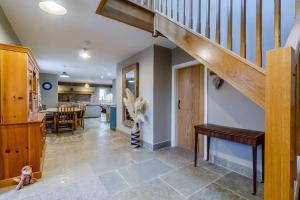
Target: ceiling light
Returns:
[[52, 8], [64, 75], [84, 53], [109, 74], [87, 85], [102, 77]]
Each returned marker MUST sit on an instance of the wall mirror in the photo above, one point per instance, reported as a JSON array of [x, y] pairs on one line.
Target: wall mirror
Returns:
[[130, 80]]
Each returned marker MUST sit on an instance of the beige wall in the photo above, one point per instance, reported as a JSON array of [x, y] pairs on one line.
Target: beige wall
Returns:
[[7, 34]]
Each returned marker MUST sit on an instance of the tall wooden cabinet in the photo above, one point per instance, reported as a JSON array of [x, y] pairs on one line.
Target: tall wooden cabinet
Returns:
[[22, 129]]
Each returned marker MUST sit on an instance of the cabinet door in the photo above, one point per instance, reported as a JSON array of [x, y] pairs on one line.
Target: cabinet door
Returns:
[[14, 81]]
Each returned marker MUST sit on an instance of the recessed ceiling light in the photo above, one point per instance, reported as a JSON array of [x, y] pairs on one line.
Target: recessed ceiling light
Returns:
[[102, 77], [109, 74], [52, 8], [84, 53]]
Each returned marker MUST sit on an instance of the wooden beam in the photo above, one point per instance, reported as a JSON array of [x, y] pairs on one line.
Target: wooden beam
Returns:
[[277, 24], [218, 22], [128, 12], [280, 158], [259, 32], [229, 24], [243, 29], [241, 74], [83, 84], [74, 92], [207, 29]]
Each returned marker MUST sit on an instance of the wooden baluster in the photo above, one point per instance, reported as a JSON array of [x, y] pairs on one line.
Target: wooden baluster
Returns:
[[259, 32], [177, 10], [229, 26], [218, 22], [171, 9], [243, 29], [277, 24], [166, 7], [191, 14], [184, 18], [199, 18], [207, 30]]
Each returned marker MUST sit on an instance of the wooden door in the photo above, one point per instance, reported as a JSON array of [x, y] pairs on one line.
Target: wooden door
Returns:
[[190, 106], [14, 101]]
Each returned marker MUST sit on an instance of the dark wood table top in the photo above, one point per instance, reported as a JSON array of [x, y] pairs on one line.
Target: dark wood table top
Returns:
[[243, 136]]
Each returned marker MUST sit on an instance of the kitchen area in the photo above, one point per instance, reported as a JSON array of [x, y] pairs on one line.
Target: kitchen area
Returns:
[[97, 99]]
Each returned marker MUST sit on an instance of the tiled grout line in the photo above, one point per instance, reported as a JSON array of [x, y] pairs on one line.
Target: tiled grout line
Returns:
[[160, 178], [231, 191], [123, 178], [207, 185]]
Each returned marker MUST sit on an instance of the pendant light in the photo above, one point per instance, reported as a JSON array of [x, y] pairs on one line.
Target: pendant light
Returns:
[[64, 74]]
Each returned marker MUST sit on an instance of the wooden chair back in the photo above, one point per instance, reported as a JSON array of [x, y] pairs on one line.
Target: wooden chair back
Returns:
[[65, 114], [82, 111]]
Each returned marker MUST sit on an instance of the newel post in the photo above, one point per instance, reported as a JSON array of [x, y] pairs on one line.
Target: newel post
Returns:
[[280, 157]]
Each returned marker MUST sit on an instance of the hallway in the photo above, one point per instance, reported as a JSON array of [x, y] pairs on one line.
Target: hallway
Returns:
[[98, 163]]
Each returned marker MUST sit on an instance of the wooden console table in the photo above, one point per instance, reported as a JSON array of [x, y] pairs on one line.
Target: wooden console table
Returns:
[[242, 136]]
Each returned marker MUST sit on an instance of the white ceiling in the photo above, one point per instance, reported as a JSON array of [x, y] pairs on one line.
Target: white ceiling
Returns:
[[56, 40]]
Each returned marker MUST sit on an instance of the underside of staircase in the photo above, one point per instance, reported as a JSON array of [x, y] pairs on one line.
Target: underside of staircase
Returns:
[[246, 77], [273, 89]]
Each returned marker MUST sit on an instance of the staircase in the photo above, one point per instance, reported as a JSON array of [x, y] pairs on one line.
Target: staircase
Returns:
[[268, 79]]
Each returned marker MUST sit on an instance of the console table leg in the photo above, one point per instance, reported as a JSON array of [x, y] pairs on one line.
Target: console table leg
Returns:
[[254, 152], [196, 149], [208, 145]]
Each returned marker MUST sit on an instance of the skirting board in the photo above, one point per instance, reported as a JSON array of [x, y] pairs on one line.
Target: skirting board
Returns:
[[149, 146], [240, 169]]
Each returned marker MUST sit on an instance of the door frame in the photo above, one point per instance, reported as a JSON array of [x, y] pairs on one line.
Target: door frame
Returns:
[[174, 103]]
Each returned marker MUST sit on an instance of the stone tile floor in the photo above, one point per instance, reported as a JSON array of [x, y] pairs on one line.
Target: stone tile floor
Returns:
[[96, 164]]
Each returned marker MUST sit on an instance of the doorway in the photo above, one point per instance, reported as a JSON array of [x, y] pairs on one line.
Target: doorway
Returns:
[[190, 105]]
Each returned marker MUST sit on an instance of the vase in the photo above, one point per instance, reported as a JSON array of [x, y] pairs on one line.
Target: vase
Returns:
[[135, 136]]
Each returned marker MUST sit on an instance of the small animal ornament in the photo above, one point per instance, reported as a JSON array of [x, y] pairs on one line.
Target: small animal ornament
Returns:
[[26, 177]]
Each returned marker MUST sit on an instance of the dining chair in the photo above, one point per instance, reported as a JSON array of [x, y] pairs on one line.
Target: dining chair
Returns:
[[65, 116], [80, 116]]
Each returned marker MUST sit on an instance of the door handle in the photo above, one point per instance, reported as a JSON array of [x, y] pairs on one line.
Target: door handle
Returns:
[[178, 105]]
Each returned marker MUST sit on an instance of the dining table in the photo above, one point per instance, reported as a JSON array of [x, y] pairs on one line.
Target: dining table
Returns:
[[55, 111]]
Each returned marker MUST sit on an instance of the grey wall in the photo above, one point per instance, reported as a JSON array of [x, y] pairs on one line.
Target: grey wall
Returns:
[[155, 86], [228, 107], [180, 56], [162, 94], [49, 97], [7, 34]]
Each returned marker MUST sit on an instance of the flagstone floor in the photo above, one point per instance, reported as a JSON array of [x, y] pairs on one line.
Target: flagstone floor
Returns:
[[98, 164]]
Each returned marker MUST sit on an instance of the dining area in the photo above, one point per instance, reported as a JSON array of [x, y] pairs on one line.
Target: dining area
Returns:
[[65, 118]]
